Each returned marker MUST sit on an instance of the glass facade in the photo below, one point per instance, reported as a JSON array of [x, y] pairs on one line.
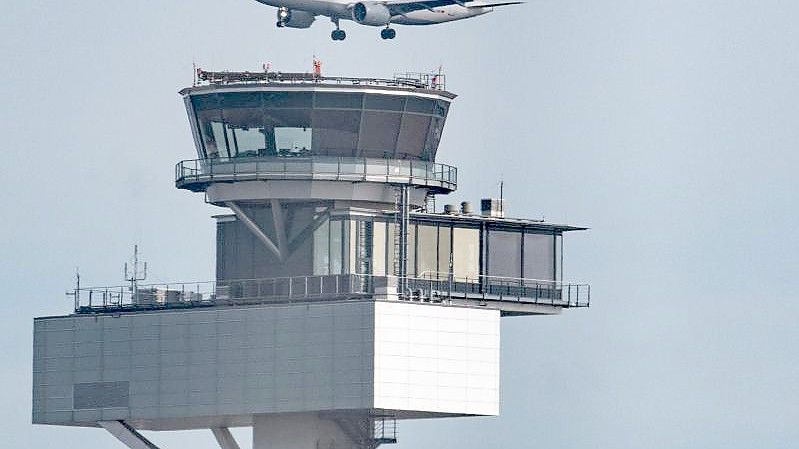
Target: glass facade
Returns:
[[539, 256], [367, 245], [260, 123], [466, 254], [427, 251], [504, 249], [328, 248]]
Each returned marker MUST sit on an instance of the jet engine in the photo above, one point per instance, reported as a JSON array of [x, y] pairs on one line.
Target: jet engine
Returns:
[[294, 18], [375, 14]]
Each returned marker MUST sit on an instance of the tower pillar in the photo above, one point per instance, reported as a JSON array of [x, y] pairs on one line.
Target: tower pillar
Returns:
[[298, 431]]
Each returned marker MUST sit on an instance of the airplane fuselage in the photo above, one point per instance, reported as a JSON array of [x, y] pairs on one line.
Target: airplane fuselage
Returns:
[[340, 9]]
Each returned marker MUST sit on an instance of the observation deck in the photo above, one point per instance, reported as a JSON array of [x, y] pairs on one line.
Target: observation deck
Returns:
[[196, 175], [294, 136]]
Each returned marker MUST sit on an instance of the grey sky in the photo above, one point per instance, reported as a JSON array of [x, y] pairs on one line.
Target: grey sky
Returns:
[[669, 127]]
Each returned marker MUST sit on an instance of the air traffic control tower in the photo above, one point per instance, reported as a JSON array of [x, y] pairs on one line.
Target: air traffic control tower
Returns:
[[343, 300]]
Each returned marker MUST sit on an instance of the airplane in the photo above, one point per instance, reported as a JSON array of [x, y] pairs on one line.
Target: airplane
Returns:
[[378, 13]]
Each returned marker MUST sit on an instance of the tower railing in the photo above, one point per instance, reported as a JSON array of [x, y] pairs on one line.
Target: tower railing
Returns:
[[196, 174], [426, 288]]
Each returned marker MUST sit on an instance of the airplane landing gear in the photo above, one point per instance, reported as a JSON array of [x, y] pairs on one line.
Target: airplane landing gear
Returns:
[[337, 34], [388, 33], [282, 16]]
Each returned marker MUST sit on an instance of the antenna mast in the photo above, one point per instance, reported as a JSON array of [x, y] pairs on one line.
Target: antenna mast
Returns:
[[136, 274]]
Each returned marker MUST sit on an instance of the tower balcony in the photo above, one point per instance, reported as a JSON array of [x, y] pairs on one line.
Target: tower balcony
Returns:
[[196, 175]]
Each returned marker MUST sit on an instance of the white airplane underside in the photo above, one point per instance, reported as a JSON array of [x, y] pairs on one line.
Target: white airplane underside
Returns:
[[302, 13]]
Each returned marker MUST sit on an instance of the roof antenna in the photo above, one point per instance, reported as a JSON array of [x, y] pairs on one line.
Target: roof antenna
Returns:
[[502, 197], [136, 274]]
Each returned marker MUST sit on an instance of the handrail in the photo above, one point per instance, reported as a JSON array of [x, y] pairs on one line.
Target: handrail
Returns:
[[196, 174], [320, 287]]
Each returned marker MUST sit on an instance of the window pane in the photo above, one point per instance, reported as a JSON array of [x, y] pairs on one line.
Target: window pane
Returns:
[[290, 140], [427, 253], [379, 249], [504, 254], [444, 251], [335, 132], [380, 130], [287, 99], [412, 250], [433, 138], [412, 136], [321, 249], [336, 245], [466, 254], [391, 248], [384, 102], [338, 100], [539, 256], [423, 105]]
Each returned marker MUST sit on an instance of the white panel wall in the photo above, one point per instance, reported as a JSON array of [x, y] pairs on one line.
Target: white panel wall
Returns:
[[436, 358], [196, 363], [238, 362]]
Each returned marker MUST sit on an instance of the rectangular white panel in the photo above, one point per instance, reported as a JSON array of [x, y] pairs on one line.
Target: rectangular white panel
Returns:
[[436, 359]]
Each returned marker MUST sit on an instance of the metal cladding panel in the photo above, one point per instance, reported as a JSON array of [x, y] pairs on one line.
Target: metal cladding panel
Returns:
[[203, 363], [436, 359]]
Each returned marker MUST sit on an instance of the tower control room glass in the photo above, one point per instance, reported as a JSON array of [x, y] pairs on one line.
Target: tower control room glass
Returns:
[[264, 123]]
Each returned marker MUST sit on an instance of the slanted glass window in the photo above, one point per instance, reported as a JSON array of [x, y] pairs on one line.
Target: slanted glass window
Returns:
[[412, 136], [379, 132], [335, 132], [384, 102], [338, 100], [290, 140], [420, 105], [539, 256], [504, 254]]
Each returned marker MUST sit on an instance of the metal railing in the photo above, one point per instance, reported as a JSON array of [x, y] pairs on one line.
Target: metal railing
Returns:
[[385, 430], [323, 288], [196, 174], [211, 293], [415, 80], [536, 291]]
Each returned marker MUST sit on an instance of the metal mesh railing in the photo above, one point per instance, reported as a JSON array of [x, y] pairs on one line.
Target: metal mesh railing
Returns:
[[323, 288], [196, 174]]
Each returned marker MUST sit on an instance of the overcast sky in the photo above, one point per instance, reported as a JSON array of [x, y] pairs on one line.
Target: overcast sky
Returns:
[[668, 127]]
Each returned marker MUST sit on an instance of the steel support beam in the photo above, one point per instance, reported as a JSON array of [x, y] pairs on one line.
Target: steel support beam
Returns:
[[225, 438], [255, 229], [127, 435], [280, 228]]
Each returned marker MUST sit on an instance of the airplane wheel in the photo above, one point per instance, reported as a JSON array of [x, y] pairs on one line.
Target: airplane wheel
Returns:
[[338, 35], [279, 24], [388, 33]]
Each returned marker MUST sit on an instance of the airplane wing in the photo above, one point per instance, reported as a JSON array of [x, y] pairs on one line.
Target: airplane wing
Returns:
[[400, 7]]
